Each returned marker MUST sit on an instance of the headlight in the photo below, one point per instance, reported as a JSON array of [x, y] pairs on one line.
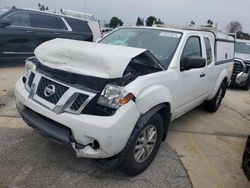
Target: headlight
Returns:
[[114, 96], [29, 65]]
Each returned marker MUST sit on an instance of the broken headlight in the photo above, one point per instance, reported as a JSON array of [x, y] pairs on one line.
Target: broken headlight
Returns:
[[29, 65], [114, 96]]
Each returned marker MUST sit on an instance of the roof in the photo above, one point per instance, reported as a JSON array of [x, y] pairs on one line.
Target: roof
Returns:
[[186, 30], [58, 14]]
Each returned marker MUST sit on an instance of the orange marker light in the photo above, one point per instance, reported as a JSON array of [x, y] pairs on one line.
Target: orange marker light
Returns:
[[127, 98]]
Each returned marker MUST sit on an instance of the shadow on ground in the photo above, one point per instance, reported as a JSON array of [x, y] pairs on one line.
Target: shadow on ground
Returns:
[[29, 160]]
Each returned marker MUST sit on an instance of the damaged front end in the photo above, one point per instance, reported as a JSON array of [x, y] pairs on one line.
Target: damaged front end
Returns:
[[84, 94], [63, 92]]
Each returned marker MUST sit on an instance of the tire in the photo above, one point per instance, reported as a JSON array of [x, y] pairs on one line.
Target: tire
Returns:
[[246, 159], [128, 161], [214, 104], [247, 84]]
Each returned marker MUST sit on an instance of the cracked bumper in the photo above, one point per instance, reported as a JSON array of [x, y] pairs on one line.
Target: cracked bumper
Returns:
[[111, 132]]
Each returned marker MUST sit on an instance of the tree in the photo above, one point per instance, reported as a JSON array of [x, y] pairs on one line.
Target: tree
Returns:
[[158, 21], [140, 21], [42, 7], [243, 35], [115, 22], [234, 27], [150, 20]]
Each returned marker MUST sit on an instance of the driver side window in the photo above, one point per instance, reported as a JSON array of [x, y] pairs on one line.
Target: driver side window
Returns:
[[192, 47]]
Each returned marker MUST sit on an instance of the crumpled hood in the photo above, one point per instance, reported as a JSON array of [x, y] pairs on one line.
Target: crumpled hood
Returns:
[[86, 58]]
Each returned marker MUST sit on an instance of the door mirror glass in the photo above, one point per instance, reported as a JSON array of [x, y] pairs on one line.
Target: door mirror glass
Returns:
[[192, 62], [4, 23]]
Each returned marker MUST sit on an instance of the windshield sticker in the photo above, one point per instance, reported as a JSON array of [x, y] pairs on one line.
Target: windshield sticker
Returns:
[[169, 34], [248, 44]]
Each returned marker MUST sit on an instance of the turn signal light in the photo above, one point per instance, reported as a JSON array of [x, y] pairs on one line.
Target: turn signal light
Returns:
[[127, 98]]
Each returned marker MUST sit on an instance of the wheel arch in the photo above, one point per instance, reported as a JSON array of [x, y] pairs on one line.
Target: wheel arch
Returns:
[[164, 109], [224, 77]]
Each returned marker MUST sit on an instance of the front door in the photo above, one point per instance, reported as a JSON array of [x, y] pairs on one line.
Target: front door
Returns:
[[190, 88]]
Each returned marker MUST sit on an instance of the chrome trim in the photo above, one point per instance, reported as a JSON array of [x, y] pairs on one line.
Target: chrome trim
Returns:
[[242, 76], [18, 53], [65, 102], [241, 61], [66, 23]]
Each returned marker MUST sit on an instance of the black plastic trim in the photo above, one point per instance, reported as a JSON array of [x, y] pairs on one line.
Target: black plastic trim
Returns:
[[224, 61], [46, 127], [224, 40]]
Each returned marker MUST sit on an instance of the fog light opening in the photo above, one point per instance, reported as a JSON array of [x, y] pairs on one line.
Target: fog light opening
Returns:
[[95, 145]]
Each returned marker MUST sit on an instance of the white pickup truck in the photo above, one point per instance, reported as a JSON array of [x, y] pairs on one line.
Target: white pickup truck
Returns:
[[116, 98]]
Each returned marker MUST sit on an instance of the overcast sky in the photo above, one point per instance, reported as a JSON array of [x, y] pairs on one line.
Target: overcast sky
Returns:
[[177, 12]]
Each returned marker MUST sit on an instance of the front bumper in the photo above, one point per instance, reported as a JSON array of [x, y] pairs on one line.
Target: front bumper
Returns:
[[111, 132], [241, 77]]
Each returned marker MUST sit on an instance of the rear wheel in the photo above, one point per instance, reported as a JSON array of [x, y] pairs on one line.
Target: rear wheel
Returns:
[[214, 104], [142, 146]]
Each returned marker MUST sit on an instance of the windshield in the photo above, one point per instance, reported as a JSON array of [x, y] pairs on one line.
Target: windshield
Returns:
[[161, 43], [242, 47]]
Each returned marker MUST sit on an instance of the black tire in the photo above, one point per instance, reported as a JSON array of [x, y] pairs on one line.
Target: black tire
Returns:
[[214, 104], [246, 159], [128, 163], [247, 84]]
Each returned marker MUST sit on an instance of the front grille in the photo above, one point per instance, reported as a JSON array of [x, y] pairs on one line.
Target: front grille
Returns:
[[79, 102], [30, 79], [238, 67], [59, 90]]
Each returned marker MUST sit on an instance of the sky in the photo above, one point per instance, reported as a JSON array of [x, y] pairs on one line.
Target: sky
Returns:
[[177, 12]]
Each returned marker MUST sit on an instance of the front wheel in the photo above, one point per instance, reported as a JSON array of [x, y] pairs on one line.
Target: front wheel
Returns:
[[214, 104], [142, 146]]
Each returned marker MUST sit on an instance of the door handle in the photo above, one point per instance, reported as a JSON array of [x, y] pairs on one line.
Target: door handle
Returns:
[[57, 33], [202, 75]]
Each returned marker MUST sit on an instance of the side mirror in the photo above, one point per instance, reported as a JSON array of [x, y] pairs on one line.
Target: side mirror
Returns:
[[5, 23], [192, 62]]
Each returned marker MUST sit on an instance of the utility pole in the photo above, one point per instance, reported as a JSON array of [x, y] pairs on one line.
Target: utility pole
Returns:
[[85, 7]]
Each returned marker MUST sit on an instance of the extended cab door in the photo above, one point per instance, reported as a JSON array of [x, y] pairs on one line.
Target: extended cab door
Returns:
[[190, 88]]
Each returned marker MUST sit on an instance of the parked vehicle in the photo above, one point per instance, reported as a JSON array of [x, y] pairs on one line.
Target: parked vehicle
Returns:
[[246, 159], [22, 30], [2, 11], [241, 71], [117, 97]]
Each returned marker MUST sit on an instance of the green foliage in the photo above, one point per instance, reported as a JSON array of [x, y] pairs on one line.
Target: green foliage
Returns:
[[150, 20], [115, 22], [242, 35], [153, 20], [140, 21], [158, 21], [42, 7]]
